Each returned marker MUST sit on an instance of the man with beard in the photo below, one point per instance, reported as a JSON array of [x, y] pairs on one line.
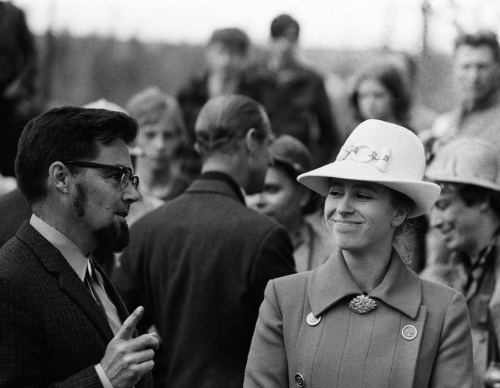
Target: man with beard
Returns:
[[199, 264], [63, 324]]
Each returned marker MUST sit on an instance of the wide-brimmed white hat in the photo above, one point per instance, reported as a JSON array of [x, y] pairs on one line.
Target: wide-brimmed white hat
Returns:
[[470, 161], [384, 153]]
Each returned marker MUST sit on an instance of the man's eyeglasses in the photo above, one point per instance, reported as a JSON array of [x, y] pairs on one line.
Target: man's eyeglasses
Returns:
[[126, 172]]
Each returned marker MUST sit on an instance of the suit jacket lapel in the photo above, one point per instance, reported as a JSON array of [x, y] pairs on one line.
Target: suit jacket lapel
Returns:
[[68, 280]]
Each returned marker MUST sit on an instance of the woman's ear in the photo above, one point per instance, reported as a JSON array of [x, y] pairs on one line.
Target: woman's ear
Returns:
[[401, 214]]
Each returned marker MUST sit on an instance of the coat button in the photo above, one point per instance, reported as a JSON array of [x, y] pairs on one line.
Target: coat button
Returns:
[[409, 332], [299, 380], [312, 320]]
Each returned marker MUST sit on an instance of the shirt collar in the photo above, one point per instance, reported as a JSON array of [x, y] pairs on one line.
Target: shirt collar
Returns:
[[401, 288], [73, 255]]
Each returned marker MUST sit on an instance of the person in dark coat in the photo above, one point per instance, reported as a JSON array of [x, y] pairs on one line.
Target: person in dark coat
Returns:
[[200, 263], [18, 65], [294, 94], [227, 73], [63, 324]]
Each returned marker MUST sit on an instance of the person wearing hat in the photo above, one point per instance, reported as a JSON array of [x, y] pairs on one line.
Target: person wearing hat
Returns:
[[467, 214], [288, 202], [364, 318]]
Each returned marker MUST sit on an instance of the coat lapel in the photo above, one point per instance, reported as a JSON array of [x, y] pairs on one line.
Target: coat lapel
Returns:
[[401, 289], [68, 280]]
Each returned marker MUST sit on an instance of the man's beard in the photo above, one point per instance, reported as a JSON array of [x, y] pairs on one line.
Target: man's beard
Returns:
[[111, 236]]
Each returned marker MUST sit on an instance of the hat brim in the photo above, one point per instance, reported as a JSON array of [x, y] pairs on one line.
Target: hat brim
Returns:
[[423, 194], [470, 181]]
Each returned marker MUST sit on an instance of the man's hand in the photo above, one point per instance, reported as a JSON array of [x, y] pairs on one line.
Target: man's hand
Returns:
[[126, 358]]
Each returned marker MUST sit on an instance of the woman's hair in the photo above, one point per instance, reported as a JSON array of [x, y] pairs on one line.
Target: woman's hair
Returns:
[[225, 119], [152, 106], [393, 79], [404, 234]]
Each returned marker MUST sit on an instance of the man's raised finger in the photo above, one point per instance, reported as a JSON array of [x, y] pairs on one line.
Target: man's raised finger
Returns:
[[128, 327]]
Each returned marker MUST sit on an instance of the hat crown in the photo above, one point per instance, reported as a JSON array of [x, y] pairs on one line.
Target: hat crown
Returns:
[[292, 152], [390, 148], [467, 160]]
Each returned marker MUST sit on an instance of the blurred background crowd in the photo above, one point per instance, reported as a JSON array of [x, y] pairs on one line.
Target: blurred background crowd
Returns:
[[431, 66], [317, 92]]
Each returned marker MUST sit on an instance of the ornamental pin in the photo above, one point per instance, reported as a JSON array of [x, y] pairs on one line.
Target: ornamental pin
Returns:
[[362, 304]]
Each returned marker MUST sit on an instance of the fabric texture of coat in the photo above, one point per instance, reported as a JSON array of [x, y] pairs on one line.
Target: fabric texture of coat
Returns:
[[52, 331], [417, 336], [199, 265]]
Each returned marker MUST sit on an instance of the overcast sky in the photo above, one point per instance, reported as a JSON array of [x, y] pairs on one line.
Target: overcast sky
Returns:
[[325, 23]]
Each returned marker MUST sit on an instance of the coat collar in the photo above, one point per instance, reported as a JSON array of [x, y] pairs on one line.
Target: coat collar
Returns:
[[217, 182], [68, 280], [401, 288]]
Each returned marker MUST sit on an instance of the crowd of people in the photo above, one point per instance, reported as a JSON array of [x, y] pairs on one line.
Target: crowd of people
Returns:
[[266, 248]]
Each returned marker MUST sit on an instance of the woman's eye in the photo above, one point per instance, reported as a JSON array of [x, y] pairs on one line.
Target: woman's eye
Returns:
[[335, 193], [364, 196]]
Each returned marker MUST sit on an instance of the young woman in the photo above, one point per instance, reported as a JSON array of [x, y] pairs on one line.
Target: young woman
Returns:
[[381, 91], [363, 319]]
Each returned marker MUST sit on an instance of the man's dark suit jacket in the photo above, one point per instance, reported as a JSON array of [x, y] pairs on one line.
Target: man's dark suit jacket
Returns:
[[200, 264], [52, 331]]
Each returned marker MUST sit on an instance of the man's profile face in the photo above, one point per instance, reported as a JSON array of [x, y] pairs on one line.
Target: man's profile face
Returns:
[[99, 201], [476, 72]]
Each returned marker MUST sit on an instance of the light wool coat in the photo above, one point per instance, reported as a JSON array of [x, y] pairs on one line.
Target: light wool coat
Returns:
[[348, 350]]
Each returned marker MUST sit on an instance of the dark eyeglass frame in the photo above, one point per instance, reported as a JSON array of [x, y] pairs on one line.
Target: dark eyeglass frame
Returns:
[[125, 170]]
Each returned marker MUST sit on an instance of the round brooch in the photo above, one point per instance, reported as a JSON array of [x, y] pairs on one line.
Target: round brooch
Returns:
[[362, 304]]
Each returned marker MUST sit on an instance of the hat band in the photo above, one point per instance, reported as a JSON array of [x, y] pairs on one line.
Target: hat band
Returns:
[[350, 151]]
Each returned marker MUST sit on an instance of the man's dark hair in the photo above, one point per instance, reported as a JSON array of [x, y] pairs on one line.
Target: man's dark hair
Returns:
[[225, 119], [62, 134], [284, 26], [481, 38], [234, 39], [472, 195]]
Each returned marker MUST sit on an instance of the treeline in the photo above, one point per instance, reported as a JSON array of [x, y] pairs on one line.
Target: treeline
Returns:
[[75, 70]]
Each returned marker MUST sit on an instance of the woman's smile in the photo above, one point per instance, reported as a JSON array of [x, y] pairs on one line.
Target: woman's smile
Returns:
[[346, 225]]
